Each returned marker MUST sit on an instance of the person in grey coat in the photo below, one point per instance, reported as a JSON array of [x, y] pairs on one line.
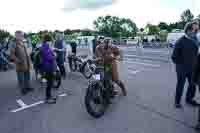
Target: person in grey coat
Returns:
[[184, 57]]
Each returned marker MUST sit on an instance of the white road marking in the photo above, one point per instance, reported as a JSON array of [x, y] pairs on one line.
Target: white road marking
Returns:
[[147, 57], [24, 106], [21, 103], [149, 51], [142, 60], [63, 95], [135, 72], [145, 64]]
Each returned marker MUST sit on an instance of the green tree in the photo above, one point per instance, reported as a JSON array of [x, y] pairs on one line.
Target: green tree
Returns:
[[187, 16], [86, 32], [163, 35], [3, 34], [141, 29], [68, 32], [198, 19], [198, 16], [177, 25], [35, 38], [163, 26], [128, 27], [152, 29], [113, 26]]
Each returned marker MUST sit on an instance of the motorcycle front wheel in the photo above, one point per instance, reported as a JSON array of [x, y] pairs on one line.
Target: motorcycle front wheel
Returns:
[[95, 101]]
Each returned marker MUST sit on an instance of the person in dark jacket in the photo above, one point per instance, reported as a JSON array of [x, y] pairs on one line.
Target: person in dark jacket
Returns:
[[60, 51], [184, 57], [73, 47], [74, 50], [196, 81], [48, 67], [94, 45]]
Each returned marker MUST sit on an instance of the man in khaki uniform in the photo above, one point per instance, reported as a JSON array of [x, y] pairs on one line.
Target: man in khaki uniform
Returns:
[[22, 61], [108, 53]]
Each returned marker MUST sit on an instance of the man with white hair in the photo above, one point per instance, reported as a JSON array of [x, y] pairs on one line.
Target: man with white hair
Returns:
[[20, 56]]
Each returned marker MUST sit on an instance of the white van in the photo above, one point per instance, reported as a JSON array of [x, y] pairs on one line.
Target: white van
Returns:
[[134, 41], [173, 37]]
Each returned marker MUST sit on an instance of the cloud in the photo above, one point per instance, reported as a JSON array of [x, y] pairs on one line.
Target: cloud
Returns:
[[35, 15], [71, 5]]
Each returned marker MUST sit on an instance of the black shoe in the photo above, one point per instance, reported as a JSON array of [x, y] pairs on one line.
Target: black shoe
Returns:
[[30, 89], [109, 101], [178, 106], [50, 101], [197, 127], [193, 103]]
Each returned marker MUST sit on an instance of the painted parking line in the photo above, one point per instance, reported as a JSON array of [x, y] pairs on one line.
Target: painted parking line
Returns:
[[142, 60], [147, 51], [135, 72], [141, 63], [21, 103], [63, 95], [25, 106], [146, 57], [132, 73]]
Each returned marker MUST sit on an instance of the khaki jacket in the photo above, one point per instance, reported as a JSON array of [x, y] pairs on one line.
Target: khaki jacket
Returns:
[[107, 55], [17, 52]]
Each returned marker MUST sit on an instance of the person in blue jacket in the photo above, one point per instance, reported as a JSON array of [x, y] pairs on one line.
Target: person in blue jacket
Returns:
[[60, 51]]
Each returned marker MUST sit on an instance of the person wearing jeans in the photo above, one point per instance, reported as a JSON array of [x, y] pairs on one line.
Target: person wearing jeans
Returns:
[[184, 57], [22, 60], [60, 50], [49, 76]]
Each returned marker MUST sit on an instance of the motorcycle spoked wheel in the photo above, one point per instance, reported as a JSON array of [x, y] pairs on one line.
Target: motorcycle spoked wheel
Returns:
[[87, 72], [95, 101], [73, 66]]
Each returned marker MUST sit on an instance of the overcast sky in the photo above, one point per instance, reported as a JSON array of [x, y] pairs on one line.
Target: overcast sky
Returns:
[[34, 15]]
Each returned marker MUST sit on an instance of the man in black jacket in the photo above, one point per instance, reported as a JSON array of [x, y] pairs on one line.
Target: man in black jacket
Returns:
[[73, 47], [184, 57]]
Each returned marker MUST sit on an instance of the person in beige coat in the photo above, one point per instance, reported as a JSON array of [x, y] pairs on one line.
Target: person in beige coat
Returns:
[[108, 53], [21, 58]]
